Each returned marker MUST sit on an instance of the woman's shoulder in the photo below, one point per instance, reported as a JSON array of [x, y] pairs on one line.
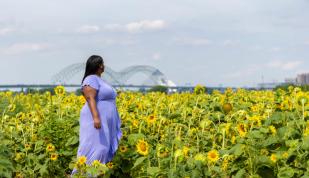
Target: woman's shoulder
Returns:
[[92, 77], [92, 80]]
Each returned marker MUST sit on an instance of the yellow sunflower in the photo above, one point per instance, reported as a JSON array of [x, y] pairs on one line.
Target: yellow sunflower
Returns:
[[285, 155], [27, 146], [185, 150], [142, 147], [59, 90], [82, 160], [151, 119], [11, 107], [213, 155], [272, 129], [242, 130], [123, 148], [18, 175], [50, 147], [54, 156], [96, 163], [110, 165], [273, 158], [200, 157]]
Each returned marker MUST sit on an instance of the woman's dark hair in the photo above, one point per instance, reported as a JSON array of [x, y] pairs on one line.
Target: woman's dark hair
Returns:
[[92, 65]]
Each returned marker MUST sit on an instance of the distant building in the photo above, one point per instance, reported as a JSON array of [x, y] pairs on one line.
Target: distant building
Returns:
[[302, 79], [290, 80]]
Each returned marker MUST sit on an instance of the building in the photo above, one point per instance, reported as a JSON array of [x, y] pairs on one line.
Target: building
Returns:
[[302, 79]]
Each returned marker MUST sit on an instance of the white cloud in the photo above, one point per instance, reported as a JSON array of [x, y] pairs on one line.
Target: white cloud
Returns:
[[135, 27], [145, 25], [19, 48], [289, 65], [193, 41], [88, 29], [5, 31]]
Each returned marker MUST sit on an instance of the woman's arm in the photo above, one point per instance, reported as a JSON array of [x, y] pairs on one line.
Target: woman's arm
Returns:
[[90, 95]]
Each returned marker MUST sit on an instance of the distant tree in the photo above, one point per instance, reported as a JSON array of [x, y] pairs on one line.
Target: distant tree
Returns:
[[158, 88], [43, 90], [285, 87]]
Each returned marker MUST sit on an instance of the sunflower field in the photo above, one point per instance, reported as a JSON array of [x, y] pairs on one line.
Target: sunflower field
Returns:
[[237, 134]]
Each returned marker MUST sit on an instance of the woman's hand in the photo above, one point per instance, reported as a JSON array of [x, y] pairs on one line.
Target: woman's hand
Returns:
[[97, 122]]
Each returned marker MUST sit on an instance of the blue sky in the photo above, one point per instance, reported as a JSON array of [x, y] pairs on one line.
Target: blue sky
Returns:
[[210, 42]]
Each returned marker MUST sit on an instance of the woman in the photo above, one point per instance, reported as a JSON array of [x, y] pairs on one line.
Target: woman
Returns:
[[99, 132]]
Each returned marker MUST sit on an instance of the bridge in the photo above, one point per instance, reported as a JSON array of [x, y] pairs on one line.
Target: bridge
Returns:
[[116, 79], [154, 76]]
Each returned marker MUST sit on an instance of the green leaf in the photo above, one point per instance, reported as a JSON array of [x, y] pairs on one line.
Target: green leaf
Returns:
[[305, 144], [132, 138], [256, 134], [236, 150], [138, 162], [43, 170], [240, 173], [72, 141], [285, 172], [153, 170]]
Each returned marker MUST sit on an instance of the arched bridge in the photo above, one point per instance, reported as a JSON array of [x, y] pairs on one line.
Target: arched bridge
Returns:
[[154, 76]]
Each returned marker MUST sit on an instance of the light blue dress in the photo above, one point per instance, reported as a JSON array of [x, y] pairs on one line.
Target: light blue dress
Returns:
[[99, 144]]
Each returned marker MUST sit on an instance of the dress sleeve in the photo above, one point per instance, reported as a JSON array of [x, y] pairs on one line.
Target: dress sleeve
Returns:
[[91, 81]]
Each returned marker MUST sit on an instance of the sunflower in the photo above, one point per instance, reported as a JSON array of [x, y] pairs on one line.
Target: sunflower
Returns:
[[213, 155], [151, 119], [142, 147], [110, 165], [20, 115], [178, 153], [82, 99], [272, 129], [233, 139], [306, 132], [50, 147], [185, 150], [82, 160], [27, 146], [285, 155], [123, 148], [59, 90], [11, 107], [18, 156], [54, 156], [18, 175], [135, 123], [242, 130], [225, 164], [96, 163], [264, 152], [273, 158], [200, 157]]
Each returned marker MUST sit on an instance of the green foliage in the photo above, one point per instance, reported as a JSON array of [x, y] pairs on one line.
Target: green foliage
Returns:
[[199, 89], [287, 86], [158, 88], [6, 166]]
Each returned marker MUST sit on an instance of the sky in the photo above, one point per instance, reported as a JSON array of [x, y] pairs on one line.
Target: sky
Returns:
[[237, 43]]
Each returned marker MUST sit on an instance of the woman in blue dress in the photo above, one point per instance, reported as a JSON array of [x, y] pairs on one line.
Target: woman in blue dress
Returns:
[[100, 132]]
